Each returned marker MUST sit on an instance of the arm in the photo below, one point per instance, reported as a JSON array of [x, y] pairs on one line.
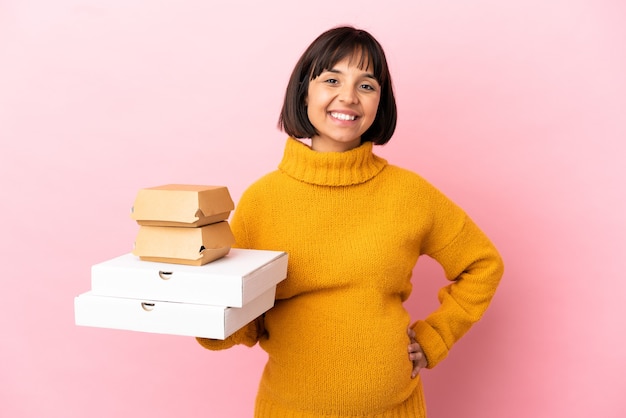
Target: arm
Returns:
[[474, 267]]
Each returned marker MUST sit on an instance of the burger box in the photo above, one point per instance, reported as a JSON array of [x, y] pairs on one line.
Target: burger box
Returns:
[[182, 205], [234, 280], [189, 319], [180, 245]]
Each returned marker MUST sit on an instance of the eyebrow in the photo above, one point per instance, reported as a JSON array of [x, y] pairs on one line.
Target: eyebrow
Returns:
[[366, 75]]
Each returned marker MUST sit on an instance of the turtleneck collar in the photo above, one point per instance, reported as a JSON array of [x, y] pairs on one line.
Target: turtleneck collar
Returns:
[[346, 168]]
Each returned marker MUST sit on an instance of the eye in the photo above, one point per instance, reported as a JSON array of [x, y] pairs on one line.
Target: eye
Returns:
[[368, 87], [331, 81]]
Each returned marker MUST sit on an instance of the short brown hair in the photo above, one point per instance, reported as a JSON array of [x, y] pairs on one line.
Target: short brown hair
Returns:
[[328, 49]]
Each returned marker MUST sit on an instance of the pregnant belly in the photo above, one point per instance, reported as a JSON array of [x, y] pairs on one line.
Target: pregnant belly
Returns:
[[339, 356]]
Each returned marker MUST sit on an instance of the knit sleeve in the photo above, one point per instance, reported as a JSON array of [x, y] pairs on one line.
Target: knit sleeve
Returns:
[[474, 266]]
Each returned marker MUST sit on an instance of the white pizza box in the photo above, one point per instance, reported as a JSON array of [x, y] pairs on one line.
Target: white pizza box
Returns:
[[232, 280], [188, 319]]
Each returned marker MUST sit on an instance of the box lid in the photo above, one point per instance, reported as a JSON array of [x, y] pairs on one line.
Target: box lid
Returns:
[[180, 245], [182, 205]]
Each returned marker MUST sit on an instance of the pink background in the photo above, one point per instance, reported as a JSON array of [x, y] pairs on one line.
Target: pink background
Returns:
[[515, 109]]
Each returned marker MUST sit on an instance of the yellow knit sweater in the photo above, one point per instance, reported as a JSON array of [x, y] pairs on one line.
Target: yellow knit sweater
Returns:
[[354, 227]]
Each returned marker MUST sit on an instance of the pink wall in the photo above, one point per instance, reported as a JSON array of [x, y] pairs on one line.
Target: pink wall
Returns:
[[516, 109]]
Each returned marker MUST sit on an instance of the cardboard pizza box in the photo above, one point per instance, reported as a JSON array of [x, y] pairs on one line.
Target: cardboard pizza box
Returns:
[[232, 281], [188, 319]]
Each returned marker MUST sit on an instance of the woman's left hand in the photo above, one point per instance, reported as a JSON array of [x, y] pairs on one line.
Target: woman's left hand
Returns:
[[416, 355]]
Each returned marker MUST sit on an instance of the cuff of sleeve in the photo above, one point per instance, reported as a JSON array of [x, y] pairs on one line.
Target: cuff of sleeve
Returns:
[[211, 344], [431, 342], [248, 336]]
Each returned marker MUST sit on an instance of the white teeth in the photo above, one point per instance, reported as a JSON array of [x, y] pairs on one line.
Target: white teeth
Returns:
[[342, 116]]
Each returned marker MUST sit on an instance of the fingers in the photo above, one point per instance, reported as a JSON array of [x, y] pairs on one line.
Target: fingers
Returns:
[[414, 346], [416, 354], [415, 372], [411, 334]]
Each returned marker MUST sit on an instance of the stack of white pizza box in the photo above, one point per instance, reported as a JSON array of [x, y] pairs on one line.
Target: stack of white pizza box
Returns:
[[182, 276]]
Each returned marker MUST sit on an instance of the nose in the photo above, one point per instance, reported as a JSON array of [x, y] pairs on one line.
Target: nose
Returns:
[[348, 95]]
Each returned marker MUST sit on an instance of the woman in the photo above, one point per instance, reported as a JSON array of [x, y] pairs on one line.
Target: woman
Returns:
[[353, 226]]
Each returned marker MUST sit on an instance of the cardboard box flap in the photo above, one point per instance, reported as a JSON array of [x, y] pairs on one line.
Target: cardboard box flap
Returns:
[[182, 205], [194, 246]]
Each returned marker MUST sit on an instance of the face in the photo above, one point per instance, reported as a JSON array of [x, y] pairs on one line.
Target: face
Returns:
[[341, 104]]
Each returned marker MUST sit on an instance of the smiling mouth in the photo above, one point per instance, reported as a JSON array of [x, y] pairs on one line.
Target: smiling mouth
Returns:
[[342, 116]]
